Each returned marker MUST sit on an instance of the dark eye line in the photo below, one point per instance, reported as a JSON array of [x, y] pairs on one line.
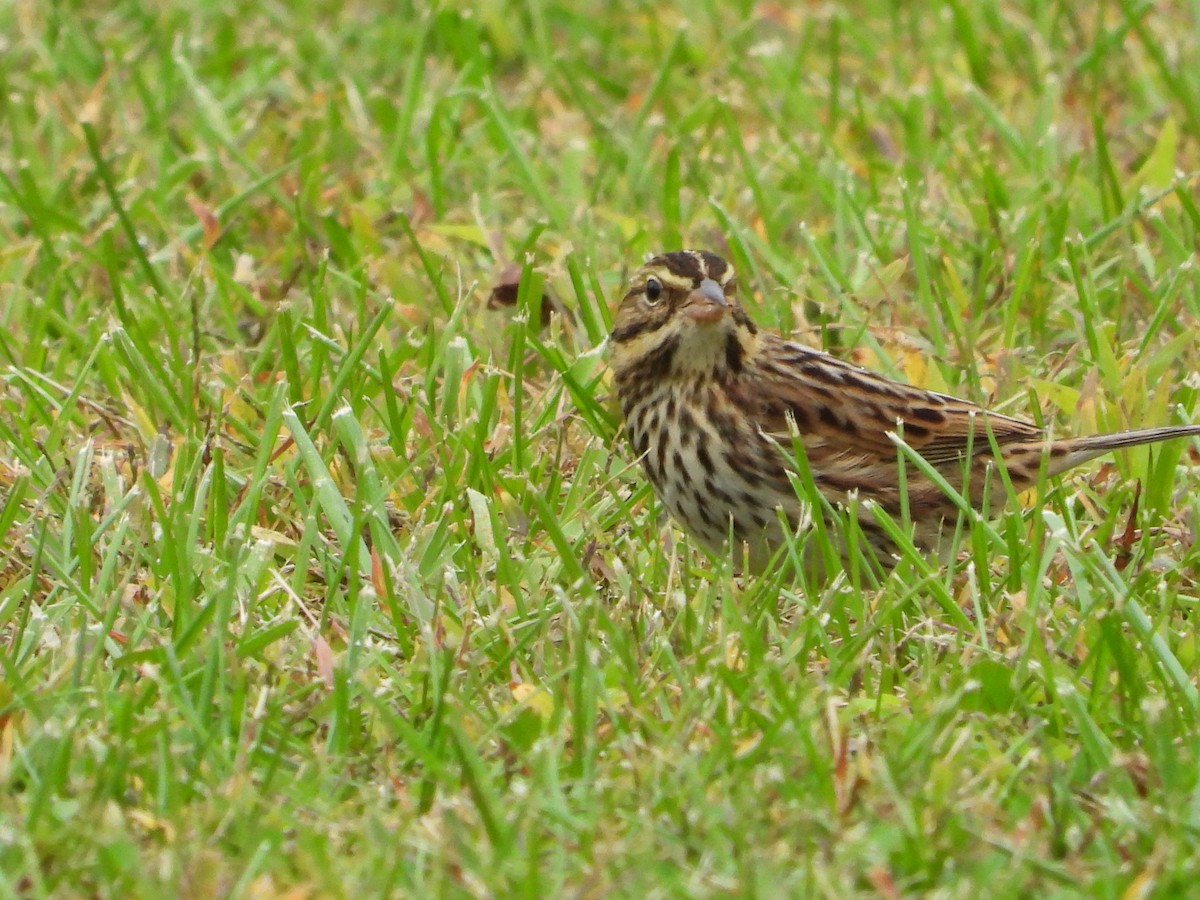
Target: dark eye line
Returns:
[[628, 332]]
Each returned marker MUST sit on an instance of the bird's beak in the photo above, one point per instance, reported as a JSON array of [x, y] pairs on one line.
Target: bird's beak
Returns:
[[706, 303]]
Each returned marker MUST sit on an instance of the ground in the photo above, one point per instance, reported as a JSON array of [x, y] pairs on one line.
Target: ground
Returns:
[[324, 571]]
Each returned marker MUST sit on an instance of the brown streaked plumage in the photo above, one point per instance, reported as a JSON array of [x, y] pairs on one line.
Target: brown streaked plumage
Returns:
[[712, 405]]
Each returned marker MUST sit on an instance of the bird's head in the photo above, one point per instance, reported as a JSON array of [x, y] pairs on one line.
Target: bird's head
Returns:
[[681, 316]]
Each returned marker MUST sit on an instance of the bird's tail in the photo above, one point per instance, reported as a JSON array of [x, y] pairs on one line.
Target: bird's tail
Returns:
[[1085, 448]]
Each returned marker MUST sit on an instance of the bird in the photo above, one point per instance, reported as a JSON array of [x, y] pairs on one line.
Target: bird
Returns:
[[718, 412]]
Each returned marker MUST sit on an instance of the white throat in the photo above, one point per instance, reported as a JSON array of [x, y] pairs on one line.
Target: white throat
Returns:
[[703, 348]]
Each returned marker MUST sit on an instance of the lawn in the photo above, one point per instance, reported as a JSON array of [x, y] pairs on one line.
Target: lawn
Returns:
[[324, 571]]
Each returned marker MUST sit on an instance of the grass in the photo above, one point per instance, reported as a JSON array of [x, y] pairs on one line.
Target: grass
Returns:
[[320, 577]]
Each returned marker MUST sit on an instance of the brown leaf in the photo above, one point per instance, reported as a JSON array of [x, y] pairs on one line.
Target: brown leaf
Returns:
[[596, 564], [422, 209], [324, 655], [881, 879], [505, 290], [377, 581], [209, 222], [1125, 542], [1140, 770]]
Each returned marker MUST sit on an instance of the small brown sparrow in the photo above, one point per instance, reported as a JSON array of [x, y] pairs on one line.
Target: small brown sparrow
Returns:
[[713, 406]]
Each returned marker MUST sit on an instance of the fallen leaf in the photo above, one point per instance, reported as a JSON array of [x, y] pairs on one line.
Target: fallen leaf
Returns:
[[324, 654], [505, 290], [1128, 537], [881, 879], [209, 223]]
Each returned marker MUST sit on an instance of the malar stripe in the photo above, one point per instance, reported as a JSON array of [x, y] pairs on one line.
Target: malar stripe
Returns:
[[654, 365], [733, 353]]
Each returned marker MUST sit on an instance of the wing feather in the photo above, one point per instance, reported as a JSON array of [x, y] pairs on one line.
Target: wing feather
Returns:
[[841, 409]]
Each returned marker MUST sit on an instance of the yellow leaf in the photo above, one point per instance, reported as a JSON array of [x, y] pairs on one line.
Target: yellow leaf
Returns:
[[144, 423], [152, 823], [1141, 885], [733, 654], [746, 745], [534, 697], [1061, 396], [1158, 171], [916, 367], [628, 225], [471, 233]]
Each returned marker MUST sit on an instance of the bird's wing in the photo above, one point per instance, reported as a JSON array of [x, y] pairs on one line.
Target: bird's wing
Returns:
[[843, 409]]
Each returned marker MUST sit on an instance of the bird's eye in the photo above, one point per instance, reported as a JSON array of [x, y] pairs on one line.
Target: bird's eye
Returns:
[[654, 290]]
